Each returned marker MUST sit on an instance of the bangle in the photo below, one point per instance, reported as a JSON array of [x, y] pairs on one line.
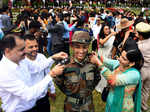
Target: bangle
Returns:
[[100, 67], [102, 59]]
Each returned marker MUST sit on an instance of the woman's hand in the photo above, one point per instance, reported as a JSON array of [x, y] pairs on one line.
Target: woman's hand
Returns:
[[113, 33], [94, 59]]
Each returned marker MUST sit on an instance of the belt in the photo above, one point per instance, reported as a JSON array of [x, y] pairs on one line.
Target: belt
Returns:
[[79, 100]]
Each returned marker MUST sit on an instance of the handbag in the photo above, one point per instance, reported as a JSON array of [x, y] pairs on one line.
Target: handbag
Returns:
[[105, 93]]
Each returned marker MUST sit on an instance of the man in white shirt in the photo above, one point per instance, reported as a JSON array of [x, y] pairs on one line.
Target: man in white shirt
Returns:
[[16, 90], [97, 27], [33, 57], [143, 30]]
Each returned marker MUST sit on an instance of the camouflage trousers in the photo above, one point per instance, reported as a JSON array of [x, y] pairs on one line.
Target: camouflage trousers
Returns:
[[79, 105]]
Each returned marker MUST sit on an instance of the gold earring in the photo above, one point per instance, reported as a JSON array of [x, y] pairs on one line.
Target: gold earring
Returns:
[[130, 66]]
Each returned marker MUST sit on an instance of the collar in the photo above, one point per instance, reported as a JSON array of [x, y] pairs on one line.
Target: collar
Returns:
[[26, 58], [85, 61]]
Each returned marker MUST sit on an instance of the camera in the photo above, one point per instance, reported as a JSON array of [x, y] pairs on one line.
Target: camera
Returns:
[[65, 61]]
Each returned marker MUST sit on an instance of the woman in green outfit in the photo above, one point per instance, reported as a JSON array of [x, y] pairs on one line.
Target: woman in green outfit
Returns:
[[124, 78]]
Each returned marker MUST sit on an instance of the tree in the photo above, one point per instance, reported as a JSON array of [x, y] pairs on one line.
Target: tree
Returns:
[[1, 3], [5, 3]]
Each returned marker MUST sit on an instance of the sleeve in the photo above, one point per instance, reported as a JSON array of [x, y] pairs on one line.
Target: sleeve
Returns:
[[126, 78], [67, 27], [90, 32], [8, 22], [95, 19], [59, 81], [52, 87], [111, 64], [93, 28], [37, 67], [50, 61], [116, 41], [53, 29], [49, 26], [51, 84], [20, 89]]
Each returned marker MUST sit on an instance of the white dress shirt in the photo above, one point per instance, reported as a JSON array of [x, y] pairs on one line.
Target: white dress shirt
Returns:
[[37, 76], [16, 91], [96, 29]]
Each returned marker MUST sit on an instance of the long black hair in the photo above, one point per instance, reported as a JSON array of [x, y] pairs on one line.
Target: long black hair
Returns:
[[101, 33], [136, 56]]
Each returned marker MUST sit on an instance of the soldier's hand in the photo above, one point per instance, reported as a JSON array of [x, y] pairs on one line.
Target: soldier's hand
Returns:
[[57, 70], [61, 55]]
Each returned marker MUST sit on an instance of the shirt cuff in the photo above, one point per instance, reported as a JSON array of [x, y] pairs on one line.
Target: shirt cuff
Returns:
[[104, 69], [52, 91], [50, 60], [48, 78]]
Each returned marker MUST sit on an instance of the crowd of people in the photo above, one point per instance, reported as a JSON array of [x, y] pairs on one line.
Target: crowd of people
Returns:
[[56, 3], [79, 50]]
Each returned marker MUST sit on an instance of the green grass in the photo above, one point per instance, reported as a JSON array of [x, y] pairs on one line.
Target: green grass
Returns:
[[58, 105]]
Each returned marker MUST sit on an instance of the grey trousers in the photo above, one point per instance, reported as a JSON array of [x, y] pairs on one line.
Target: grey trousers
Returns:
[[145, 74]]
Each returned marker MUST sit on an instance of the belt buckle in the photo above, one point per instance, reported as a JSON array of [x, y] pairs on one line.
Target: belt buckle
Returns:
[[81, 101], [77, 101]]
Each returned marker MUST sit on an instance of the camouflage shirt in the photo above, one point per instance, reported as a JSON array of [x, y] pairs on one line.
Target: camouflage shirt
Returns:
[[78, 81]]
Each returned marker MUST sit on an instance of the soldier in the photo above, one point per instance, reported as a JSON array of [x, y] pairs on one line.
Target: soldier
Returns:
[[79, 77]]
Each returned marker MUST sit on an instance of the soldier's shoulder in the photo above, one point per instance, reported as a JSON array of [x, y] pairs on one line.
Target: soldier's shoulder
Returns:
[[91, 65]]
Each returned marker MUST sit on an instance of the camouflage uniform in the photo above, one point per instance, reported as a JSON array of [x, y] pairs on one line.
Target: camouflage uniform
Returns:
[[77, 82]]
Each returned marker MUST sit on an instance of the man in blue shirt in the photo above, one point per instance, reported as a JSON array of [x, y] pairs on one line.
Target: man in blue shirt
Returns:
[[5, 20], [67, 30]]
